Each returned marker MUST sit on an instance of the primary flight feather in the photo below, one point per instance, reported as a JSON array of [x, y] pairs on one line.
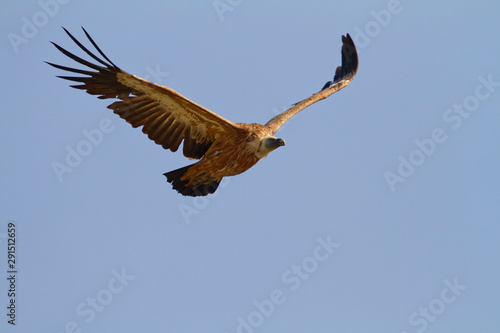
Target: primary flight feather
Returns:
[[222, 147]]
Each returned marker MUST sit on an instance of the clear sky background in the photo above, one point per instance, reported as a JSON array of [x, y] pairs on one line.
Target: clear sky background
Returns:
[[381, 213]]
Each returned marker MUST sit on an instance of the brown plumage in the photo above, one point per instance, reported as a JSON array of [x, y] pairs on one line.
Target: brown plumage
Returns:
[[224, 148]]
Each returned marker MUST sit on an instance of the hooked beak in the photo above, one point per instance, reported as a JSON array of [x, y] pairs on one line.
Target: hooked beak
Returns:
[[280, 142]]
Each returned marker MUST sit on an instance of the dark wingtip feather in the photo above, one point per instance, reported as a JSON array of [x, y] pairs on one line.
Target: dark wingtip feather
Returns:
[[76, 58], [97, 48], [69, 69], [349, 61], [80, 45]]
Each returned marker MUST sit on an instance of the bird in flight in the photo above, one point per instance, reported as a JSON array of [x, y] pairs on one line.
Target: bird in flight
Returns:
[[222, 147]]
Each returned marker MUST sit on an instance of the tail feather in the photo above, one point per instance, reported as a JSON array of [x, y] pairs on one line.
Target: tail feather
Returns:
[[174, 177]]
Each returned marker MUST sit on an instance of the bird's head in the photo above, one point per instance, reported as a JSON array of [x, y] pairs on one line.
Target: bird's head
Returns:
[[268, 144]]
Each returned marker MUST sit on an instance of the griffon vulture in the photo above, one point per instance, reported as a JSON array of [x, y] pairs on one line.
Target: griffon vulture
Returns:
[[222, 147]]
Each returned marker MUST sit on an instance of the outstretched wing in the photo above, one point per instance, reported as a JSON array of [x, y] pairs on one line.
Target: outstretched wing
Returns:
[[343, 76], [167, 117]]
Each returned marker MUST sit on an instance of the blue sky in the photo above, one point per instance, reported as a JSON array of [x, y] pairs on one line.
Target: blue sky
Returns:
[[381, 214]]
